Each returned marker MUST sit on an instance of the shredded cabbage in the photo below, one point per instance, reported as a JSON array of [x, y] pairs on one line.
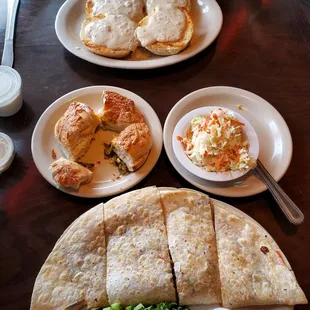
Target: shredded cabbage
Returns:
[[215, 142]]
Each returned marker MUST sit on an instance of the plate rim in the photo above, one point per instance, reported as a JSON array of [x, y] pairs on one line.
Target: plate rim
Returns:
[[227, 90], [70, 96], [131, 65]]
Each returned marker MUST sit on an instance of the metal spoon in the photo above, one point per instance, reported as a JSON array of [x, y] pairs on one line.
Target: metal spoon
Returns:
[[289, 208]]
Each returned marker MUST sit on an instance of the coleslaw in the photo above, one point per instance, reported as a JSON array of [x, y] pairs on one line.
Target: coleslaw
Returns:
[[215, 142]]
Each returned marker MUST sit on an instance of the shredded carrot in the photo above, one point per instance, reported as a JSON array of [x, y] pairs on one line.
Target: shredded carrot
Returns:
[[236, 123], [182, 141], [219, 161]]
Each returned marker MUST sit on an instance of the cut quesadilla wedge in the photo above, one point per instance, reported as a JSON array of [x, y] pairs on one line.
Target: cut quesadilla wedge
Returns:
[[192, 246], [253, 270], [138, 263], [76, 268]]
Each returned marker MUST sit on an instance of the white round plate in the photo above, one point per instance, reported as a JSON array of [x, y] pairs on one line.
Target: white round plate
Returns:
[[183, 126], [206, 14], [105, 181], [274, 137]]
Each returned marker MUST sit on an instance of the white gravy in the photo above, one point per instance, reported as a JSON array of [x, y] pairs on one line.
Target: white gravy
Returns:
[[166, 24], [114, 32], [152, 4], [131, 8]]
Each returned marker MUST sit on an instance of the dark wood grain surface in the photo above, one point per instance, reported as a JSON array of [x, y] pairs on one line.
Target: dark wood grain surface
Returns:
[[264, 47]]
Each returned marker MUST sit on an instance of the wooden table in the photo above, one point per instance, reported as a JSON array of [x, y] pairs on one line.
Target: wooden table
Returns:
[[264, 47]]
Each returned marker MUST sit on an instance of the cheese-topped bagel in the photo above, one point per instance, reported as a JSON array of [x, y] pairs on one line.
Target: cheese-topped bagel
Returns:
[[131, 8], [118, 111], [167, 31], [133, 145], [67, 173], [111, 35], [152, 4], [75, 130]]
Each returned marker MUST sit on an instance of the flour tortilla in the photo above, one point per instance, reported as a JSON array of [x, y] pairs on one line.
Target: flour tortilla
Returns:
[[76, 268], [192, 245], [248, 275], [138, 263]]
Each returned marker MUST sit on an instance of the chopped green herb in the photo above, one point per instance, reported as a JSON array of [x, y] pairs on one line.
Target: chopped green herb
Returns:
[[108, 150], [113, 159]]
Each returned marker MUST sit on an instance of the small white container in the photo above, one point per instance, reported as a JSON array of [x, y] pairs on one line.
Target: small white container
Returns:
[[6, 152], [11, 99]]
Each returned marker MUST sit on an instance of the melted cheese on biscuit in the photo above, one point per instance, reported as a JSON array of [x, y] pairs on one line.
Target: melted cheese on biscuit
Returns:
[[114, 31], [166, 24], [131, 8]]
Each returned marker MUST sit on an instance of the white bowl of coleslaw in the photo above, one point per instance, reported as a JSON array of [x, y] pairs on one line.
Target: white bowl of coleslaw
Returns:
[[215, 143]]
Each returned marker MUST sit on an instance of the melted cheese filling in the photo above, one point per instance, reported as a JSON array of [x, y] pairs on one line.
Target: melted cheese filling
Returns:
[[131, 8], [114, 31], [166, 24], [152, 4]]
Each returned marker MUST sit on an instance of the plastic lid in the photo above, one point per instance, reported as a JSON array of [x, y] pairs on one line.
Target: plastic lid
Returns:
[[10, 85], [6, 152]]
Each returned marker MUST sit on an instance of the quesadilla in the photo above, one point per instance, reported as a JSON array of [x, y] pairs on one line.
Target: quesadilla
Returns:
[[192, 246], [76, 268], [138, 263], [253, 270]]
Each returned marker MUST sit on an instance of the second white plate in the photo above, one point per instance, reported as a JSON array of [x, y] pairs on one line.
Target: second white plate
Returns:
[[274, 137], [105, 181], [207, 17]]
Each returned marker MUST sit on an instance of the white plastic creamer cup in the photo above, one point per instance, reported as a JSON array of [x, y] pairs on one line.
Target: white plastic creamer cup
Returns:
[[6, 152], [11, 98]]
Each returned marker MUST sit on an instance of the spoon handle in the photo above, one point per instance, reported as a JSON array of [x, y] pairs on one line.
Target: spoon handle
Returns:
[[289, 208], [8, 54]]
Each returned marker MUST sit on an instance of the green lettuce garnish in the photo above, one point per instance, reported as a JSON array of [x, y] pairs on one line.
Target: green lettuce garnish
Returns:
[[160, 306]]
